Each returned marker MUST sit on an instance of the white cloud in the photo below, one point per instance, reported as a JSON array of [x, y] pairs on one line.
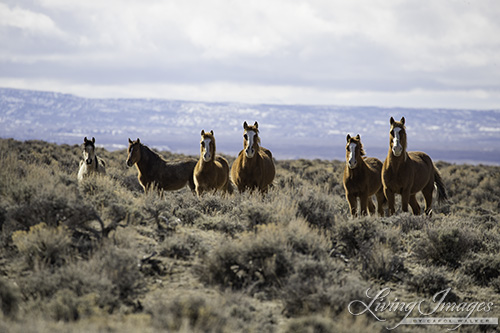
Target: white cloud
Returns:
[[32, 22], [298, 50]]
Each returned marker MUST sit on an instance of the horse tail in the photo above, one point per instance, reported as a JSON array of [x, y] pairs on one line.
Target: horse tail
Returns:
[[442, 196], [191, 183]]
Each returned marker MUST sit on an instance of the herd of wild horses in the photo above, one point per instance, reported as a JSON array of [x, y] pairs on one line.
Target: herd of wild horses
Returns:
[[402, 172]]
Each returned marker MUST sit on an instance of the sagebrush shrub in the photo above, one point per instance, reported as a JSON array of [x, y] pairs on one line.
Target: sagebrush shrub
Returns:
[[483, 268], [429, 281], [352, 235], [254, 262], [445, 246], [10, 298], [380, 263], [44, 245], [319, 210], [193, 313]]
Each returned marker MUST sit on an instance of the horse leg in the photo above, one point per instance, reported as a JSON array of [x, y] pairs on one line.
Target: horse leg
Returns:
[[363, 202], [351, 199], [366, 204], [415, 207], [199, 190], [380, 202], [427, 192], [390, 200], [405, 200]]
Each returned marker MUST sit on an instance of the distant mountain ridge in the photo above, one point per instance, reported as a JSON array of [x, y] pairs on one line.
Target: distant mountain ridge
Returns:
[[289, 131]]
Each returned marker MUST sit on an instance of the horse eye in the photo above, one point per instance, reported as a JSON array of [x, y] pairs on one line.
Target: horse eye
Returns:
[[391, 132], [203, 144], [245, 136]]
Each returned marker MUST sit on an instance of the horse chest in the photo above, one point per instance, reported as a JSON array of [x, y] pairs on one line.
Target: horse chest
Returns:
[[397, 177]]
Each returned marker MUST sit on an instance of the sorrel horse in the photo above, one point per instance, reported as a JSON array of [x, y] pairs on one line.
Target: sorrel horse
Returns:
[[90, 164], [362, 179], [155, 172], [254, 166], [408, 173], [211, 173]]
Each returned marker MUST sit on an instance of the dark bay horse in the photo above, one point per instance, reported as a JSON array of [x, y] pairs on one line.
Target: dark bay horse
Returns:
[[408, 173], [211, 173], [90, 164], [254, 167], [154, 171], [362, 178]]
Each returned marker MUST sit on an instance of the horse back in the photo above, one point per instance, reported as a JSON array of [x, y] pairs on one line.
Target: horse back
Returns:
[[422, 168], [173, 175], [374, 165]]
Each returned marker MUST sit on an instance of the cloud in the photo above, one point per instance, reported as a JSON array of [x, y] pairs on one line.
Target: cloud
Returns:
[[356, 48], [28, 21]]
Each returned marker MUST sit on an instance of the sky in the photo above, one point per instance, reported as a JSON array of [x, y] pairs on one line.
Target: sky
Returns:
[[390, 53]]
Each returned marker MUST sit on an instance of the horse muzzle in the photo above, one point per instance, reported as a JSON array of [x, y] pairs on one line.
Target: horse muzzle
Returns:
[[352, 165], [129, 163], [88, 161], [250, 152], [397, 150], [207, 157]]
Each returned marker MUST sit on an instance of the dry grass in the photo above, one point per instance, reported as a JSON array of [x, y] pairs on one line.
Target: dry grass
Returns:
[[102, 256]]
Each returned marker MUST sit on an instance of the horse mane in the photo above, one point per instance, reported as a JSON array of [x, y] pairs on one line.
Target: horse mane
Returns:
[[361, 150], [150, 154]]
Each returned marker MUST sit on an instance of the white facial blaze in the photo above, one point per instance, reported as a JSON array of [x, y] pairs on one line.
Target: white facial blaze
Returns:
[[352, 155], [397, 149], [249, 151], [206, 150]]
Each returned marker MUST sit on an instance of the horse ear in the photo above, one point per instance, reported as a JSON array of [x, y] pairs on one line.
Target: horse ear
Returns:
[[245, 125], [93, 140], [392, 120], [85, 139], [256, 125], [403, 120], [348, 137], [212, 132], [129, 141], [138, 140], [202, 132], [358, 137]]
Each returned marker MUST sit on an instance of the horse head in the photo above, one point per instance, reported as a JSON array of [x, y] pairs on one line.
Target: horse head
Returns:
[[251, 139], [134, 152], [207, 145], [397, 136], [88, 150], [354, 151]]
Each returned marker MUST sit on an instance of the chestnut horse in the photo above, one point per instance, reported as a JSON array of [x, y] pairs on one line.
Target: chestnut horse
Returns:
[[211, 172], [407, 173], [254, 166], [154, 171], [90, 164], [362, 178]]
